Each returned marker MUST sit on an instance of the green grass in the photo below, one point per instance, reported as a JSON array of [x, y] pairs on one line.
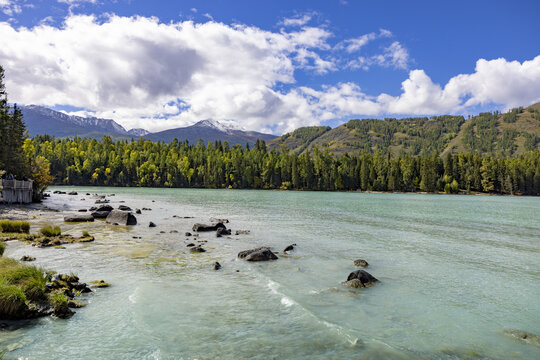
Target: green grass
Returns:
[[2, 248], [59, 302], [14, 226], [85, 234], [28, 279], [51, 230]]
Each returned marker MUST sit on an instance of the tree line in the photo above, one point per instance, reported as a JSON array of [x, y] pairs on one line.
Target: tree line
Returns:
[[17, 158], [82, 161]]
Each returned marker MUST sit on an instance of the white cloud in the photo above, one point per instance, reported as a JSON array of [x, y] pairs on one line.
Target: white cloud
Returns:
[[148, 74], [10, 7], [395, 56], [300, 20], [75, 2], [355, 44]]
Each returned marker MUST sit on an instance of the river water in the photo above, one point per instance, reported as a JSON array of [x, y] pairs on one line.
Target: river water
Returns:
[[456, 273]]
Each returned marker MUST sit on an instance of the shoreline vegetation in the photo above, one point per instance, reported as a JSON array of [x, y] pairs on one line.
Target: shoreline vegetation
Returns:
[[28, 292]]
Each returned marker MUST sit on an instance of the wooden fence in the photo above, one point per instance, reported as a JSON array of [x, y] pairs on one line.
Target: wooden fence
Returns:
[[16, 191]]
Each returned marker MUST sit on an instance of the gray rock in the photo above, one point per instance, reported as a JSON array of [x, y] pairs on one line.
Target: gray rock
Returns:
[[120, 217], [289, 248], [104, 208], [257, 254], [79, 218], [361, 263], [223, 231], [360, 279], [197, 249], [124, 208], [242, 232], [73, 193], [205, 227], [100, 214]]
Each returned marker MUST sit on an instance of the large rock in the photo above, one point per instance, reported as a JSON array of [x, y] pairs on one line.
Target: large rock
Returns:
[[119, 217], [124, 208], [360, 279], [100, 214], [257, 254], [78, 218], [108, 208], [205, 227]]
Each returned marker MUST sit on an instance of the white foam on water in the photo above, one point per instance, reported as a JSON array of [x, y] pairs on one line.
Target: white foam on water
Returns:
[[133, 297]]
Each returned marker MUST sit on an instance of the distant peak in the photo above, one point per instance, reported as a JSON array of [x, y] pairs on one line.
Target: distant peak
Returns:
[[225, 125]]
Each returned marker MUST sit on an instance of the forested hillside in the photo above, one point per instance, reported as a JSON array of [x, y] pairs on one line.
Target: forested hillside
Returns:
[[217, 165], [493, 134]]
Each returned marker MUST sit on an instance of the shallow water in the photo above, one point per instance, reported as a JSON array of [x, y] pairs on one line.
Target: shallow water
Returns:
[[455, 271]]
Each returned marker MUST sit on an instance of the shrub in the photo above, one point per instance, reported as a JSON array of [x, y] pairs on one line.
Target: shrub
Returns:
[[2, 248], [9, 226], [51, 230]]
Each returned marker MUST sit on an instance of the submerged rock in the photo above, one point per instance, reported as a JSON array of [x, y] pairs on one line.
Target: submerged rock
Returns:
[[82, 210], [197, 249], [215, 220], [217, 266], [28, 258], [242, 232], [79, 218], [138, 211], [187, 234], [360, 279], [120, 217], [73, 193], [151, 224], [205, 227], [524, 336], [361, 263], [99, 284], [257, 254]]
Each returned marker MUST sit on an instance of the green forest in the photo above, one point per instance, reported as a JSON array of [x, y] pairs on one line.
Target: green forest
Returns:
[[82, 161]]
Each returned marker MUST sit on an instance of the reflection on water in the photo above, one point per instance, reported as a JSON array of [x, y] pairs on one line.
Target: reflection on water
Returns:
[[455, 272]]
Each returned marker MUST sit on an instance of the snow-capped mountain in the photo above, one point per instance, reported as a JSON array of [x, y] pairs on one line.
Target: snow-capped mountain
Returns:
[[43, 121]]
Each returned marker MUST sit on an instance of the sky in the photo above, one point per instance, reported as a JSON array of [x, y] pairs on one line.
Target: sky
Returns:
[[269, 66]]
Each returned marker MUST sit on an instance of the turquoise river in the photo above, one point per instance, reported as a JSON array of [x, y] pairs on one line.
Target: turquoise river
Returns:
[[458, 274]]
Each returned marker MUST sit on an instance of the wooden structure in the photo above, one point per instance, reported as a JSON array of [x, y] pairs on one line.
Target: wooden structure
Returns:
[[16, 191]]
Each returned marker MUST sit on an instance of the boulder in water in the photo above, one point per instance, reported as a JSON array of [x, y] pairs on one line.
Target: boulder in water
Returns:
[[124, 208], [258, 254], [73, 193], [197, 249], [360, 279], [100, 214], [217, 266], [205, 227], [361, 263], [120, 217], [78, 218], [151, 224], [289, 248]]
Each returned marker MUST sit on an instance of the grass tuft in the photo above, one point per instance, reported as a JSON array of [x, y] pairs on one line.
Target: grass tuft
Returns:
[[14, 226], [51, 231], [2, 248], [85, 234]]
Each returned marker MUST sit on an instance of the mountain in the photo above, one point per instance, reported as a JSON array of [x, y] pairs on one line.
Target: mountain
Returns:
[[210, 130], [509, 134], [41, 120]]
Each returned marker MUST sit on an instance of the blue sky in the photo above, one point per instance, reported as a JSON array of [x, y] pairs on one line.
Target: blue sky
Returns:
[[270, 66]]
